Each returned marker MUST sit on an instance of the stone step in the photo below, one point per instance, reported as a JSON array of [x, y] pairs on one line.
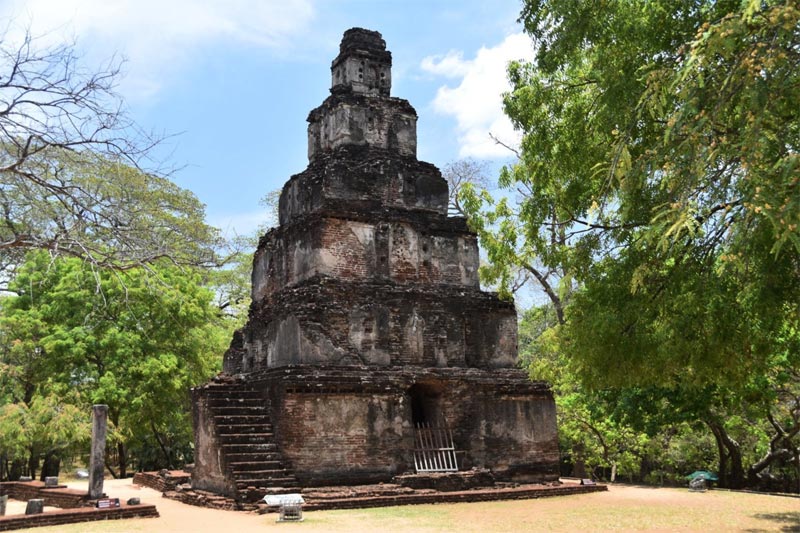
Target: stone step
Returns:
[[236, 402], [262, 474], [240, 410], [232, 393], [258, 448], [287, 481], [226, 420], [253, 456], [257, 466], [245, 438], [229, 429]]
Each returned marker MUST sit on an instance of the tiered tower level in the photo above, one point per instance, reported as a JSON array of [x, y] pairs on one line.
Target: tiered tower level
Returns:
[[367, 318]]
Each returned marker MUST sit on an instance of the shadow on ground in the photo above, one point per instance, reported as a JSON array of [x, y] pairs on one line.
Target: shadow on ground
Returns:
[[786, 521]]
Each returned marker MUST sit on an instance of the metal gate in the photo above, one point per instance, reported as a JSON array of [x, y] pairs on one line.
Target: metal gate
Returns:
[[433, 449]]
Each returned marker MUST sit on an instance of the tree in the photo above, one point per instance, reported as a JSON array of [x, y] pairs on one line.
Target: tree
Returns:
[[76, 171], [133, 340], [46, 427], [460, 173], [658, 176]]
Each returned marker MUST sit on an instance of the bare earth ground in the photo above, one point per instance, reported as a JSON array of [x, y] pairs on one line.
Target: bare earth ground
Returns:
[[622, 508]]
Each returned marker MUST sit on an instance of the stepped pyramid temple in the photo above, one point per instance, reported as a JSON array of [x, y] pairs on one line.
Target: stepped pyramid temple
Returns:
[[370, 350]]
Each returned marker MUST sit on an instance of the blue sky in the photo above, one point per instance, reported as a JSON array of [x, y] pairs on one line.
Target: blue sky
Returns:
[[235, 79]]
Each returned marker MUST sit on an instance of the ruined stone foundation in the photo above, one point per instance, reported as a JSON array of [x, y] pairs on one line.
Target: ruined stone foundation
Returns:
[[367, 323]]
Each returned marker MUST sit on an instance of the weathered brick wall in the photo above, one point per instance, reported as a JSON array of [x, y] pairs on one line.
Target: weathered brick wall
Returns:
[[401, 252], [59, 496], [347, 119], [156, 481], [355, 425], [363, 180], [368, 289], [333, 438], [511, 433], [327, 321]]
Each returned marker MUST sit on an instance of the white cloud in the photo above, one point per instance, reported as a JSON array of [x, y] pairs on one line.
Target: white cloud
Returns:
[[157, 36], [233, 224], [476, 103]]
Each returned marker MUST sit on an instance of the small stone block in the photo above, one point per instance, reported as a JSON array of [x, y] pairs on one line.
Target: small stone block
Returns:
[[51, 481], [3, 503], [34, 507], [25, 478], [134, 501], [587, 482]]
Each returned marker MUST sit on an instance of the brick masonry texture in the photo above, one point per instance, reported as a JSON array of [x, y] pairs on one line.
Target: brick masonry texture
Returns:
[[74, 516], [367, 320], [59, 496]]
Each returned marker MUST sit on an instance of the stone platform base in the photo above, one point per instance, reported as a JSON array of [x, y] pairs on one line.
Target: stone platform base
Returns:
[[448, 481], [386, 495], [77, 515], [363, 497], [57, 496]]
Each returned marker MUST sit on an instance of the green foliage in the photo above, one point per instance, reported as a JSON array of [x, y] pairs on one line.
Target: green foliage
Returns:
[[651, 143], [134, 340], [103, 210], [47, 425]]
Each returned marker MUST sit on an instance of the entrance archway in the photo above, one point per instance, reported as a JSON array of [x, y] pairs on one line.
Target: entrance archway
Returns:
[[426, 408], [433, 441]]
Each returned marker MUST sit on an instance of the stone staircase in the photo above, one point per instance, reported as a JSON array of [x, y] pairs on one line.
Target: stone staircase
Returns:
[[245, 433]]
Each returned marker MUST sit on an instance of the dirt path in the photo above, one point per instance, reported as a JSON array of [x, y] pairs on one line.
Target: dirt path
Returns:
[[622, 508]]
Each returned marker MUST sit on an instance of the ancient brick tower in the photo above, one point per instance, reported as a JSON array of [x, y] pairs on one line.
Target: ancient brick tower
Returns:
[[367, 320]]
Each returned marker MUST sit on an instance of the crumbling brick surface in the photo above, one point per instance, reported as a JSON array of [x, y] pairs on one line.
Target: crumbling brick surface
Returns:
[[75, 516], [367, 319], [333, 322], [58, 496], [161, 481]]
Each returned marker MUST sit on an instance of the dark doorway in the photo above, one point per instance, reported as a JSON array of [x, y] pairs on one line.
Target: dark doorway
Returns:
[[426, 406]]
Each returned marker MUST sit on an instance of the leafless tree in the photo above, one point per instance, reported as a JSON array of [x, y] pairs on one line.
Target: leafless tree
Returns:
[[462, 171], [77, 175]]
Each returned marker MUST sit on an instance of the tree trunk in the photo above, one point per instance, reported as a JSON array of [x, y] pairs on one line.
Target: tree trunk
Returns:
[[123, 460], [729, 452], [51, 466], [163, 446], [15, 471], [33, 465]]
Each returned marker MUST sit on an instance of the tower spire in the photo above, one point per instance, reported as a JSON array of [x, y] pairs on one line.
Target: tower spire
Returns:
[[363, 64]]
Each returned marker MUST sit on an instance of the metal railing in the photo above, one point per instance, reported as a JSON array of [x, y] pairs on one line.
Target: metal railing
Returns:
[[433, 448]]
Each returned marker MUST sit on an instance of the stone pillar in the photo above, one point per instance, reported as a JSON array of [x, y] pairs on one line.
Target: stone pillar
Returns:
[[98, 454]]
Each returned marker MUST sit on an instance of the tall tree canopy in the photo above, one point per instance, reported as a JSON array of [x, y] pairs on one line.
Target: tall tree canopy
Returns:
[[659, 177], [661, 147], [132, 340]]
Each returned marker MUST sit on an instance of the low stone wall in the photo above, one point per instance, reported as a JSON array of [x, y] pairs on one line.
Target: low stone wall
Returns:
[[58, 496], [475, 495], [161, 481], [72, 516], [385, 495], [447, 481], [202, 498]]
